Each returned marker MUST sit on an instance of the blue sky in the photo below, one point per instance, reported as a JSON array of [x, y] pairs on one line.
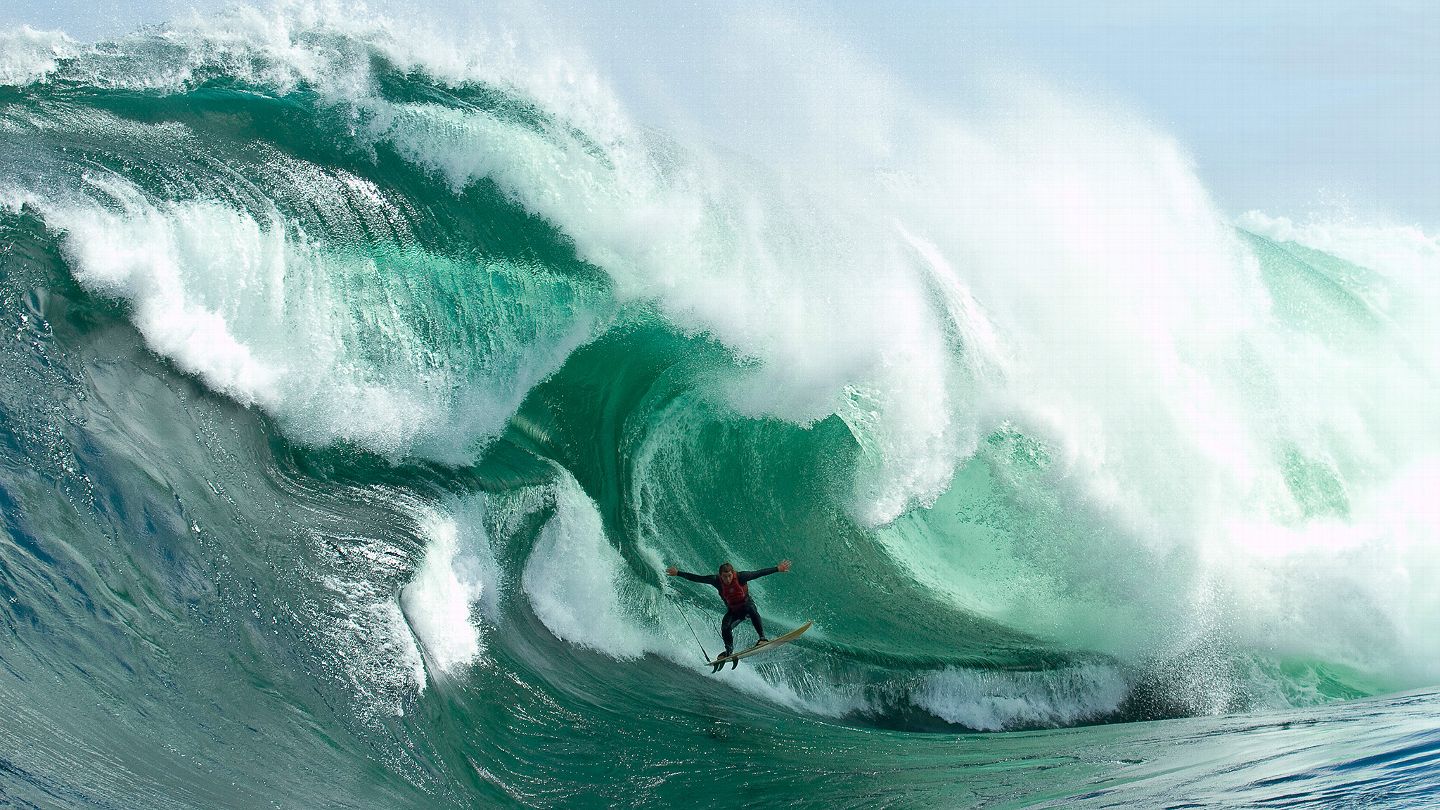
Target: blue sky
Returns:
[[1293, 108]]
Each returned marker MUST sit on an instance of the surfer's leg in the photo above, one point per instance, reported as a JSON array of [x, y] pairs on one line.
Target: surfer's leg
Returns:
[[755, 620], [731, 619]]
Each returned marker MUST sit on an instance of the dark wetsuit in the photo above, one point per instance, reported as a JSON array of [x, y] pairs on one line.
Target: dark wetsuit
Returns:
[[738, 606]]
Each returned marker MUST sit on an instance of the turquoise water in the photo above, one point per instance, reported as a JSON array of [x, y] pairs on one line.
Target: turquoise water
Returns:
[[355, 399]]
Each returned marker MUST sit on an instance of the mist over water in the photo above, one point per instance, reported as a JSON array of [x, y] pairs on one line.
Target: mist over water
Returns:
[[362, 381]]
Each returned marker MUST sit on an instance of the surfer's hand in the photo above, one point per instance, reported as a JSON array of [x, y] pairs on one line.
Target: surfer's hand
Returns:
[[671, 571], [784, 566]]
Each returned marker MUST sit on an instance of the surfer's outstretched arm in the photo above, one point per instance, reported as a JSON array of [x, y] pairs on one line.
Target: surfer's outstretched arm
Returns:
[[746, 576], [709, 579]]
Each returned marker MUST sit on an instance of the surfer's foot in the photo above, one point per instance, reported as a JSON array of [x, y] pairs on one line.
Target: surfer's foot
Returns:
[[761, 640]]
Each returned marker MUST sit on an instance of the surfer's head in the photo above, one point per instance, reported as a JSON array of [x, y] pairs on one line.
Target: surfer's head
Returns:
[[727, 573]]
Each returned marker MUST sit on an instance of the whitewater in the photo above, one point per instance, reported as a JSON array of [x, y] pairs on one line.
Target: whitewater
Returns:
[[360, 381]]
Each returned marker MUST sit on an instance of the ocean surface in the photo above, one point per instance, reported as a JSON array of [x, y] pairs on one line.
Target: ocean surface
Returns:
[[358, 385]]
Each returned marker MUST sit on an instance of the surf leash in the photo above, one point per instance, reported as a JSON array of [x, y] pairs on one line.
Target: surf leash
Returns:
[[684, 614]]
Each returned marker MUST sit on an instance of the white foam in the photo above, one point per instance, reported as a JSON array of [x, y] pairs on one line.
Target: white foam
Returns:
[[144, 254], [28, 55], [1356, 591], [1399, 249], [997, 700], [440, 602], [319, 337], [1396, 274], [574, 579]]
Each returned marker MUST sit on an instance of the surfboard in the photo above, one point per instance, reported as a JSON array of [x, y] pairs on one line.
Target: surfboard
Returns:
[[734, 659]]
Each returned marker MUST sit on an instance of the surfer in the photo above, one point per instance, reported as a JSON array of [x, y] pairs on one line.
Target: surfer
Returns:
[[736, 593]]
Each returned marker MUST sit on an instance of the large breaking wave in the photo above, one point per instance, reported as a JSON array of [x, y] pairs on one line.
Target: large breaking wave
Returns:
[[1050, 440]]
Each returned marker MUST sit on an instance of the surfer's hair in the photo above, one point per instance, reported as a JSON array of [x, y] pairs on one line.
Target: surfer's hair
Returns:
[[725, 566]]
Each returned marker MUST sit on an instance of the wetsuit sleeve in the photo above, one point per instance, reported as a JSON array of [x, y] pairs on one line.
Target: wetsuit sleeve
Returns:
[[746, 576], [708, 580]]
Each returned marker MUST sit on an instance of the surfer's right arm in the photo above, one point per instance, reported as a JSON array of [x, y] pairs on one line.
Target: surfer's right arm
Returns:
[[676, 572]]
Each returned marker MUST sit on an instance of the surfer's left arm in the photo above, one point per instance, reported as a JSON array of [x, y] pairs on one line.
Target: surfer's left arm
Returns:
[[746, 576]]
